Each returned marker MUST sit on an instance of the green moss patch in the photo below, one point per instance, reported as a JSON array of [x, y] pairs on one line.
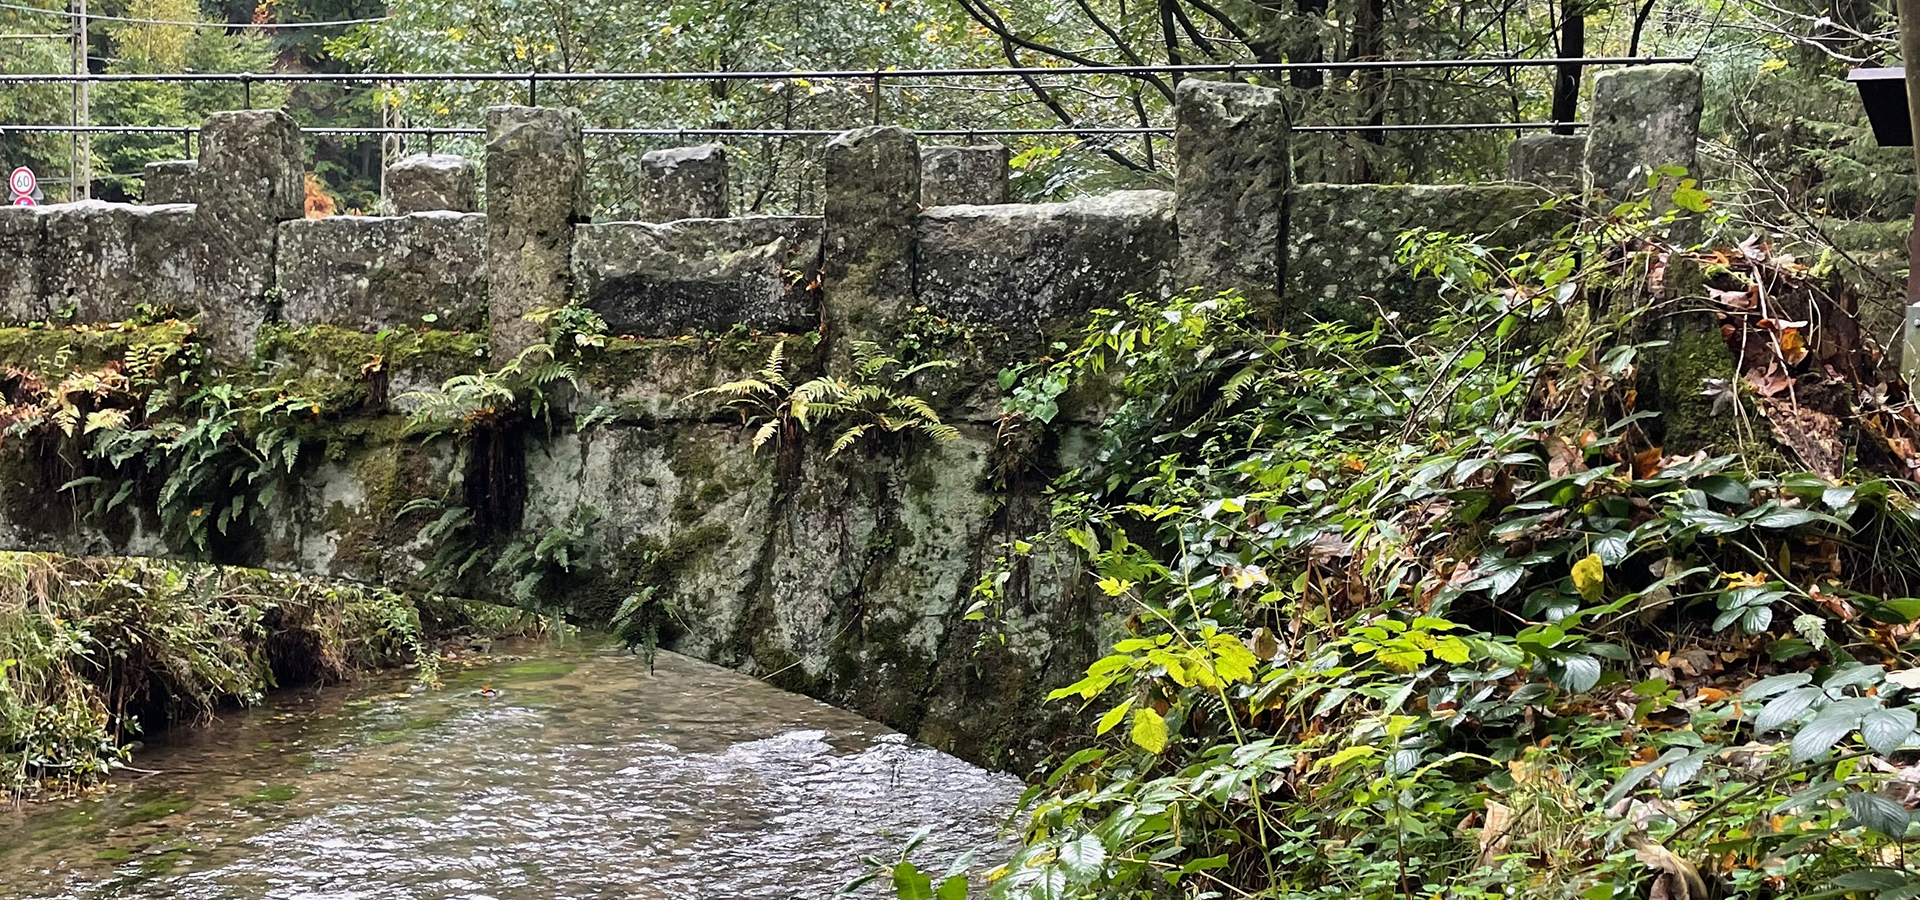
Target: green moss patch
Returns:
[[273, 793]]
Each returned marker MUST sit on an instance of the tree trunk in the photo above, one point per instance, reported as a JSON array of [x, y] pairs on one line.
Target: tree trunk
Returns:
[[1369, 43], [1306, 47], [1566, 83]]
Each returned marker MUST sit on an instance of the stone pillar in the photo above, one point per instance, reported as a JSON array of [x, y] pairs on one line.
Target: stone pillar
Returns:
[[536, 192], [872, 203], [426, 182], [251, 177], [22, 236], [684, 183], [1644, 117], [1552, 161], [253, 167], [952, 176], [1230, 146], [168, 181]]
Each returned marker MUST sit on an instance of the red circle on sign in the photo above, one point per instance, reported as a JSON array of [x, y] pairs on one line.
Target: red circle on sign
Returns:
[[24, 201], [22, 181]]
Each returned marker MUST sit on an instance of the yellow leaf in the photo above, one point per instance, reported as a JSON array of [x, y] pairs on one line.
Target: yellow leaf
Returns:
[[1773, 65], [1346, 756], [1113, 717], [1589, 576], [1114, 587], [1452, 649], [1149, 730]]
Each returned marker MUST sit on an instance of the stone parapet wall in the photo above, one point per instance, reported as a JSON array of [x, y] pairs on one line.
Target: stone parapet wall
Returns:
[[701, 275], [905, 227], [1033, 265], [369, 273], [844, 576]]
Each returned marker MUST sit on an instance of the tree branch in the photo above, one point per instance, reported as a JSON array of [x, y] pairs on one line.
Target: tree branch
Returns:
[[1120, 43], [1199, 40]]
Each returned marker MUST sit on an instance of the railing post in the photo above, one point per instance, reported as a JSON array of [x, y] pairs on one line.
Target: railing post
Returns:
[[246, 90]]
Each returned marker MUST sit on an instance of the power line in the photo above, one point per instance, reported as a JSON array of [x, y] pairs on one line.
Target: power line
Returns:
[[69, 14], [1229, 69], [1096, 131]]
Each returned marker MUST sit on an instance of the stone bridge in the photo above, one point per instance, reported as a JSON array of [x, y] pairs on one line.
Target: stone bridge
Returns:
[[844, 577]]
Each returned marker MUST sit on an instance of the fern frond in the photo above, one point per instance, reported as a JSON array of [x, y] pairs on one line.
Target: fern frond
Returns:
[[847, 439], [768, 431]]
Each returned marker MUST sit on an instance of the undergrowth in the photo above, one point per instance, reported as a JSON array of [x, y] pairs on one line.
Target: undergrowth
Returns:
[[1432, 612]]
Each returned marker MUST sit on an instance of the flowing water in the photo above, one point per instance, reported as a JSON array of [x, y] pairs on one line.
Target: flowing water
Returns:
[[585, 776]]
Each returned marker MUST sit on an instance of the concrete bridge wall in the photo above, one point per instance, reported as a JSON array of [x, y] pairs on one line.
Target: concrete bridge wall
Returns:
[[846, 577]]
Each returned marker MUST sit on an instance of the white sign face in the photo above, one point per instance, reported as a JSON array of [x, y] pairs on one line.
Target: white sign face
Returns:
[[22, 181], [24, 201]]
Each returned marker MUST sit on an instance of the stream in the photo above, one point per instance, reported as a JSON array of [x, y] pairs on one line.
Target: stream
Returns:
[[582, 775]]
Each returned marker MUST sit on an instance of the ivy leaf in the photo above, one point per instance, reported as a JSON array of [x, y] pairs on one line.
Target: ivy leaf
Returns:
[[1886, 729], [1878, 813], [1767, 687], [1784, 708], [1826, 729], [954, 888], [1149, 730], [1589, 576], [1578, 673], [1083, 857], [1682, 770], [1725, 489], [909, 883]]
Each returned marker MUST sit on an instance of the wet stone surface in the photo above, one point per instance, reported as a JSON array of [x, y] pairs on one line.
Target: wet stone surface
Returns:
[[577, 775]]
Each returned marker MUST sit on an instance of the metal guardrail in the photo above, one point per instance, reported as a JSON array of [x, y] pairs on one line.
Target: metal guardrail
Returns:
[[877, 77]]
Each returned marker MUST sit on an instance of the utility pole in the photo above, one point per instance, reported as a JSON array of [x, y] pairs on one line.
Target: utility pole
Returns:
[[81, 169]]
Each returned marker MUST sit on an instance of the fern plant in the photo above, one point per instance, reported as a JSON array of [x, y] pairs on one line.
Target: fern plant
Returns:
[[871, 403], [466, 403]]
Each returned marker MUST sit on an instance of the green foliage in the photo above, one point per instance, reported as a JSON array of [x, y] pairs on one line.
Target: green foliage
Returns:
[[1429, 615], [86, 645], [868, 405], [465, 404]]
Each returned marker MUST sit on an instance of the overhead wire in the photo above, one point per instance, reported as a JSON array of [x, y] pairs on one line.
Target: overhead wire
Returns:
[[70, 14]]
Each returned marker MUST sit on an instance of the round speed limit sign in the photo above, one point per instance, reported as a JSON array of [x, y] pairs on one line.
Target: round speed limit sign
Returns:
[[22, 181]]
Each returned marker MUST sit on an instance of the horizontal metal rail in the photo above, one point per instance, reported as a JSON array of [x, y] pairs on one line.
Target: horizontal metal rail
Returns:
[[1067, 131], [842, 74]]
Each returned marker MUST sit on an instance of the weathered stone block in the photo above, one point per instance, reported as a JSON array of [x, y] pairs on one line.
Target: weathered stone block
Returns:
[[1552, 161], [22, 240], [251, 178], [1644, 117], [1344, 239], [872, 201], [1032, 264], [951, 176], [168, 181], [370, 273], [425, 182], [536, 192], [106, 259], [252, 168], [684, 183], [699, 275], [1230, 146]]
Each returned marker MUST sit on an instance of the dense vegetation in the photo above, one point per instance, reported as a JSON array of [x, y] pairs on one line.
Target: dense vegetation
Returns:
[[1470, 609], [96, 652]]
